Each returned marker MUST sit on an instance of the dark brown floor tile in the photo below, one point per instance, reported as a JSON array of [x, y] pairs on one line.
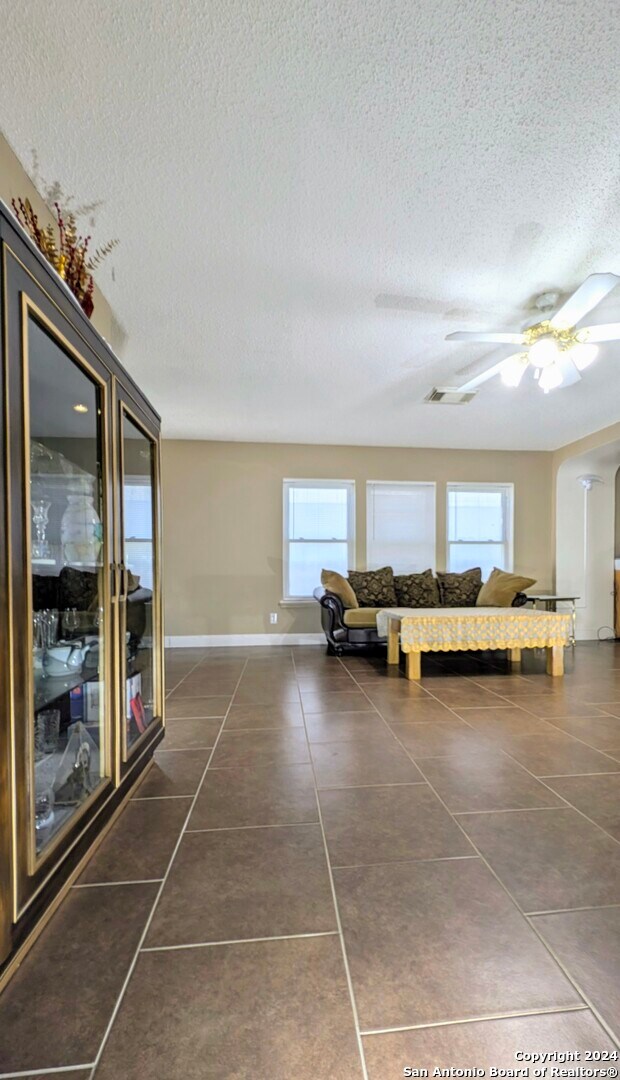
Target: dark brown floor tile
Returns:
[[55, 1010], [275, 795], [139, 845], [596, 796], [415, 711], [236, 1011], [270, 695], [368, 760], [248, 717], [208, 683], [509, 720], [486, 781], [388, 824], [450, 739], [353, 701], [510, 684], [464, 694], [319, 683], [484, 1045], [286, 746], [395, 691], [78, 1074], [184, 708], [173, 773], [555, 755], [191, 734], [560, 704], [548, 859], [611, 707], [245, 883], [441, 941], [588, 944], [340, 726], [600, 732]]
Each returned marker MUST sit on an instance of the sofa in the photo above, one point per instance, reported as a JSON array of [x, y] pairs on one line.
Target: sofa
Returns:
[[351, 628]]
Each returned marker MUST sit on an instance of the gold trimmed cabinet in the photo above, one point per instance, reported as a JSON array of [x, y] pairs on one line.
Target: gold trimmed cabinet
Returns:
[[81, 657]]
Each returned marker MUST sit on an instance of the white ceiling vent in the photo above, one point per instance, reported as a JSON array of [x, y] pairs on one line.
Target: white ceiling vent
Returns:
[[449, 395]]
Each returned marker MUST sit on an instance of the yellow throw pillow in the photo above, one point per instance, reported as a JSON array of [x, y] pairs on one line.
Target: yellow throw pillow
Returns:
[[336, 583], [501, 589]]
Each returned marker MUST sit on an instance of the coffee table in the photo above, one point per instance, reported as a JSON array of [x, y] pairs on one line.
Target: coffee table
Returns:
[[417, 630]]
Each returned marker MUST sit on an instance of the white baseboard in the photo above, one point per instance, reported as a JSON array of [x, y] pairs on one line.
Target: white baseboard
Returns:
[[201, 641]]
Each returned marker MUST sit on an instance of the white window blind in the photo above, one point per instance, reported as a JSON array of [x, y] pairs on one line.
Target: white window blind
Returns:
[[138, 528], [400, 526], [319, 518], [480, 527]]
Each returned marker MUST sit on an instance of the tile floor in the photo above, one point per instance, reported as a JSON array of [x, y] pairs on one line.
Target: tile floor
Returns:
[[332, 873]]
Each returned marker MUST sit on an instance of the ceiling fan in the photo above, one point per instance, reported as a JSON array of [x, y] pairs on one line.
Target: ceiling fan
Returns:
[[553, 348]]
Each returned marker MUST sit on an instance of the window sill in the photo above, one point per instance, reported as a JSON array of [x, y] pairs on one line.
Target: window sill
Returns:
[[297, 603]]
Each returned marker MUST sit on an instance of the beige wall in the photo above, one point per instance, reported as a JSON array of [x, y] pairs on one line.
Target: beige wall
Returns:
[[15, 183], [223, 521]]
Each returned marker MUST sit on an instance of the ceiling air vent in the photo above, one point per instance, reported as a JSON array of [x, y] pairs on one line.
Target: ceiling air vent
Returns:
[[449, 395]]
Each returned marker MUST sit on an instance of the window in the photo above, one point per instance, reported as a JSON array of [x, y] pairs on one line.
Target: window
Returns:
[[480, 527], [401, 526], [319, 532], [138, 528]]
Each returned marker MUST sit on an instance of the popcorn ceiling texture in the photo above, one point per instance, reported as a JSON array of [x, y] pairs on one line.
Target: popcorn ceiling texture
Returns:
[[272, 167]]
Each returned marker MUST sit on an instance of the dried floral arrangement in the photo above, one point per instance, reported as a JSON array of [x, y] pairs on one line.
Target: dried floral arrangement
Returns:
[[68, 251]]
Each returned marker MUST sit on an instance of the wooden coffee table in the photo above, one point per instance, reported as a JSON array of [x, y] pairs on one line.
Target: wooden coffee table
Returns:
[[417, 630]]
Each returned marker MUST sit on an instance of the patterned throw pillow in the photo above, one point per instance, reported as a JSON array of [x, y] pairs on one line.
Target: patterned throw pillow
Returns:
[[417, 590], [460, 590], [374, 588]]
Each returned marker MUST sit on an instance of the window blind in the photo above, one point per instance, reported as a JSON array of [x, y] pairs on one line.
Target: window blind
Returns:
[[400, 526]]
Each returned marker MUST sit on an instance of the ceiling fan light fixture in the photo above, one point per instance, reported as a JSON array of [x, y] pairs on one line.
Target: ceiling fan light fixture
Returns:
[[543, 352], [583, 354], [550, 378], [514, 369]]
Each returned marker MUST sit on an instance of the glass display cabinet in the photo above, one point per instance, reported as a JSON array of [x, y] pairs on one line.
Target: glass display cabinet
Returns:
[[81, 665]]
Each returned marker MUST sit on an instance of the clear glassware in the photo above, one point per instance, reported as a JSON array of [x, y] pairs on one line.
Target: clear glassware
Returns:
[[49, 722], [40, 512], [43, 806]]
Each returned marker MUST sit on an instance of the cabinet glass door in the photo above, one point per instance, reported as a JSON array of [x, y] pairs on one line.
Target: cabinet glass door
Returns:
[[139, 596], [66, 532]]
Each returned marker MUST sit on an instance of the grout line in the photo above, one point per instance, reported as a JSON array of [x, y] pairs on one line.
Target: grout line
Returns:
[[478, 1019], [244, 828], [564, 776], [234, 941], [347, 787], [182, 750], [159, 798], [568, 911], [545, 944], [113, 884], [345, 959], [49, 1071], [504, 810], [401, 862], [149, 920], [177, 718]]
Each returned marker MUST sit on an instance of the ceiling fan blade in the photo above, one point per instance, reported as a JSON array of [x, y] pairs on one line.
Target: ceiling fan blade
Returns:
[[570, 374], [484, 376], [497, 337], [587, 296], [605, 332]]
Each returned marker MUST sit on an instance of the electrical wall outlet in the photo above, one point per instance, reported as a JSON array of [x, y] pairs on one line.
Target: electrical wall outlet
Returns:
[[273, 618]]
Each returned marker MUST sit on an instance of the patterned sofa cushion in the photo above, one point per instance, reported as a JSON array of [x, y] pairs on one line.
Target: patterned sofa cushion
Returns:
[[416, 590], [460, 590], [374, 588]]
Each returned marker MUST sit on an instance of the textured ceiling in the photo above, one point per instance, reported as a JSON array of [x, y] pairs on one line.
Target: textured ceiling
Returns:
[[271, 168]]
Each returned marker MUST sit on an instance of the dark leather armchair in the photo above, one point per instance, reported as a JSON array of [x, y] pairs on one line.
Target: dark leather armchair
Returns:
[[341, 637]]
